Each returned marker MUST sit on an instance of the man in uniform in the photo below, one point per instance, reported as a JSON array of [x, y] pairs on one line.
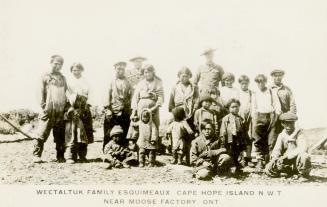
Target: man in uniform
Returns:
[[137, 73], [208, 75], [52, 101]]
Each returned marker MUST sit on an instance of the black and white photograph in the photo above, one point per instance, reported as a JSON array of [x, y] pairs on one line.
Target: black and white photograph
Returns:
[[125, 95]]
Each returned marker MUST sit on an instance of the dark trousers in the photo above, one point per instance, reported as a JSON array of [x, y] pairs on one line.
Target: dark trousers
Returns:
[[123, 120], [58, 130], [264, 135]]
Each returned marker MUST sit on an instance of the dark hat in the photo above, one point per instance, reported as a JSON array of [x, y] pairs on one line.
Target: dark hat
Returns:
[[206, 98], [137, 58], [120, 63], [208, 50], [288, 116], [277, 71], [116, 130], [260, 78]]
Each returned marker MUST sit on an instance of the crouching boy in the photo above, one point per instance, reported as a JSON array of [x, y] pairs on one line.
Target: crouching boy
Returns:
[[207, 154], [290, 152], [116, 153]]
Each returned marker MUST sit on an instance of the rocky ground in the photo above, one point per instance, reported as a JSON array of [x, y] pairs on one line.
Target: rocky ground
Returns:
[[16, 167]]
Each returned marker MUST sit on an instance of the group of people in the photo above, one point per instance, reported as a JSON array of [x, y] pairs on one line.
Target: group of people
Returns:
[[215, 127]]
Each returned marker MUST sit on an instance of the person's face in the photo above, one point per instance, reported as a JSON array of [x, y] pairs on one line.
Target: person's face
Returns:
[[234, 108], [184, 78], [116, 138], [289, 126], [209, 56], [56, 65], [207, 131], [120, 71], [146, 117], [278, 78], [244, 85], [262, 85], [77, 72], [149, 75], [206, 104], [138, 64], [213, 96], [229, 83]]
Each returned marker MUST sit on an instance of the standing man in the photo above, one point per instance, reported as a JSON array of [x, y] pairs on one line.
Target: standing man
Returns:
[[118, 103], [52, 101], [265, 112], [135, 75], [208, 75], [284, 94]]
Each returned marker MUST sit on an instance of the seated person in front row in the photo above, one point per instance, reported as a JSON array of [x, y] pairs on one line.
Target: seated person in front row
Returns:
[[180, 134], [290, 154], [207, 154], [117, 154], [233, 133]]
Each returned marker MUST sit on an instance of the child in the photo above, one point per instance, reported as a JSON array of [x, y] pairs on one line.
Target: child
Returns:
[[246, 97], [228, 91], [114, 152], [132, 136], [232, 132], [148, 137], [290, 154], [205, 113], [180, 133], [216, 105]]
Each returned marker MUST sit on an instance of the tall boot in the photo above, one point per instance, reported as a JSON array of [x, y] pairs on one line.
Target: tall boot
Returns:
[[82, 151], [142, 159], [180, 159], [175, 157], [60, 152], [37, 150], [152, 158]]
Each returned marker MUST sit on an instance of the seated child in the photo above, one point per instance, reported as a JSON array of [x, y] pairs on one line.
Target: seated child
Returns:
[[132, 136], [233, 133], [290, 154], [115, 153], [148, 138], [180, 133], [205, 113]]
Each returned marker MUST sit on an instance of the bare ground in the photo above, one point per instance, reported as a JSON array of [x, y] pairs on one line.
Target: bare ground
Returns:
[[16, 167]]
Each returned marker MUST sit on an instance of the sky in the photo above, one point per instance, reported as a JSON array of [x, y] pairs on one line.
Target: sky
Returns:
[[251, 37]]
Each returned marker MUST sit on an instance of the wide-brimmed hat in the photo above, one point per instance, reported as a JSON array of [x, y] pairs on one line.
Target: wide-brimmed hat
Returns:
[[208, 50], [137, 58]]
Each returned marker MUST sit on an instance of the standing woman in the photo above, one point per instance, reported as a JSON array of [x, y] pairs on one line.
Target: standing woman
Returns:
[[79, 130], [184, 94], [148, 94]]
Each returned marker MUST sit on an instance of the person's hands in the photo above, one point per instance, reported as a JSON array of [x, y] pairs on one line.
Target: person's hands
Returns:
[[153, 142]]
